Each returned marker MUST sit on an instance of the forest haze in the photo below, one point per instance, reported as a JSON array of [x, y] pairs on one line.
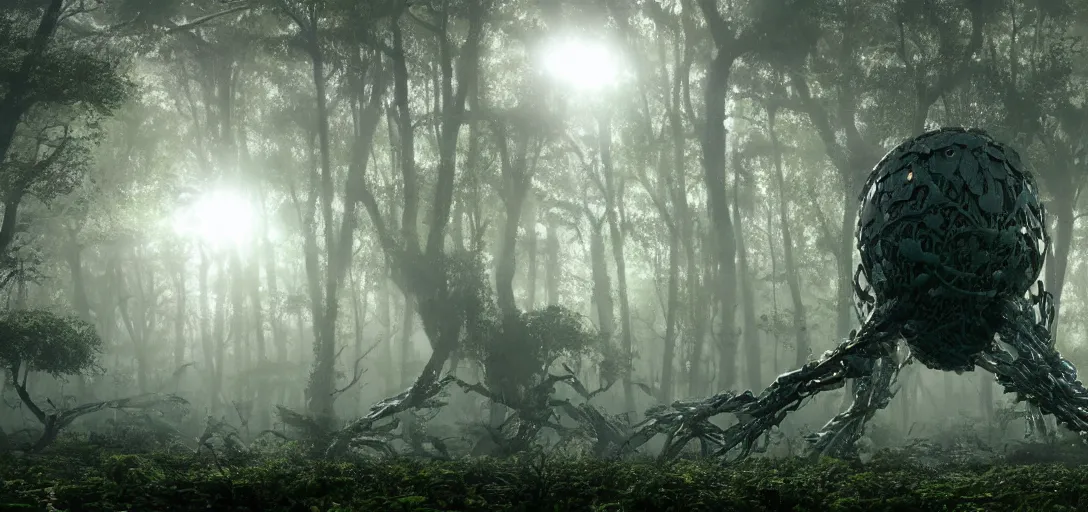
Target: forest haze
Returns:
[[271, 215]]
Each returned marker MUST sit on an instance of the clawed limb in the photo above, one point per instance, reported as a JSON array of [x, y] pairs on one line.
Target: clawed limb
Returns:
[[872, 392], [1026, 363], [862, 356]]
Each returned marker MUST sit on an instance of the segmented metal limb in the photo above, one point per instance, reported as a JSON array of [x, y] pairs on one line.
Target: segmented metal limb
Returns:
[[1026, 363], [872, 392], [689, 420]]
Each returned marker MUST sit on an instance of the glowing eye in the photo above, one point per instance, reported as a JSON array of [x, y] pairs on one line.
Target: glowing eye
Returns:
[[910, 175]]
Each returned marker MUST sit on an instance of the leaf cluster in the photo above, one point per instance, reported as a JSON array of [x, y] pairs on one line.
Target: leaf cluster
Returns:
[[68, 72], [47, 342], [519, 349], [180, 481]]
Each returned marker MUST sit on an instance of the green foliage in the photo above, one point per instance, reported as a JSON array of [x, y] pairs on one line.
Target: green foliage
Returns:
[[55, 98], [557, 331], [70, 85], [69, 75], [46, 342], [75, 478], [69, 72], [528, 343], [518, 351], [540, 337], [146, 13], [468, 285], [51, 152]]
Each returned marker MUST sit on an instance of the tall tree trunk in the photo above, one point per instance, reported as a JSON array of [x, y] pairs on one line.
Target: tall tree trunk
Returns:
[[254, 287], [614, 198], [552, 265], [275, 312], [257, 239], [457, 224], [516, 182], [338, 239], [671, 308], [262, 392], [602, 287], [80, 300], [1062, 208], [180, 314], [204, 303], [385, 317], [706, 307], [239, 327], [422, 273], [133, 327], [325, 308], [532, 262], [437, 311], [853, 160], [686, 221], [674, 188], [472, 175], [713, 145], [505, 265], [359, 308], [793, 278], [844, 269], [753, 358], [772, 322], [15, 102], [697, 312], [219, 332], [407, 330]]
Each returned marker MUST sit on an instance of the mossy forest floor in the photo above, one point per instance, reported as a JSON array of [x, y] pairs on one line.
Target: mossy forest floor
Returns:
[[85, 477]]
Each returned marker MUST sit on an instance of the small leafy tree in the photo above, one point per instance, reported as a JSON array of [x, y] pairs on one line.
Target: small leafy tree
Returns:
[[527, 346], [42, 341], [517, 353]]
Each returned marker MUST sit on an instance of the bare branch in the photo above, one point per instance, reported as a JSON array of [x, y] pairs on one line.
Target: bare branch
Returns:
[[358, 370], [20, 389], [76, 8], [296, 17], [431, 27], [210, 17]]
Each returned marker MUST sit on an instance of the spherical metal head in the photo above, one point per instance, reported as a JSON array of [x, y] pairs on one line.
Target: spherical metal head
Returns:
[[950, 223]]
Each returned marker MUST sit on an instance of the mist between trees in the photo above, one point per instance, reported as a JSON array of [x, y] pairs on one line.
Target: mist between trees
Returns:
[[278, 213]]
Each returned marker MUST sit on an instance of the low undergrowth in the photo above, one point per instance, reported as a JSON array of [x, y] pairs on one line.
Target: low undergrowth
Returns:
[[81, 476]]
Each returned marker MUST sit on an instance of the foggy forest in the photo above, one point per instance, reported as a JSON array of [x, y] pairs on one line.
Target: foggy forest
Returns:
[[512, 231]]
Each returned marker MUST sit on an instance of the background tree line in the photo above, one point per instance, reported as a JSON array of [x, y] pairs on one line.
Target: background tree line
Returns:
[[414, 189]]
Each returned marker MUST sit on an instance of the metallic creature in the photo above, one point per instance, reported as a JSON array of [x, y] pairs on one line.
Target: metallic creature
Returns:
[[952, 237]]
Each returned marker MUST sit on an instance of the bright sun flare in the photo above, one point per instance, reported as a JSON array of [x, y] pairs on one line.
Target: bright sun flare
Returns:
[[582, 64], [220, 218]]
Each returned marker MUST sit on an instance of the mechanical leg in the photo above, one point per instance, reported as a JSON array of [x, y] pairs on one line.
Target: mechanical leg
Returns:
[[1026, 363], [689, 420], [872, 392]]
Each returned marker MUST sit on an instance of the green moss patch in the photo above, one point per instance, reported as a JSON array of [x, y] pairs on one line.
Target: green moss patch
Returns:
[[183, 481]]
